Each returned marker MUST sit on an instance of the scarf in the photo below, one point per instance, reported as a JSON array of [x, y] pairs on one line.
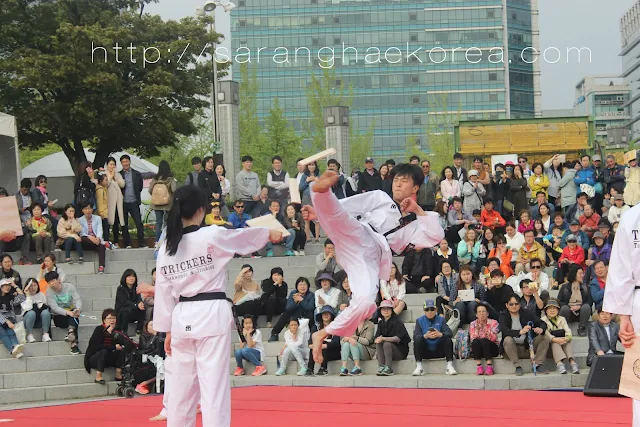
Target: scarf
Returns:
[[576, 294]]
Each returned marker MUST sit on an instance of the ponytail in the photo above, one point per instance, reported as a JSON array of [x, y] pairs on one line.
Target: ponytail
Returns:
[[187, 201]]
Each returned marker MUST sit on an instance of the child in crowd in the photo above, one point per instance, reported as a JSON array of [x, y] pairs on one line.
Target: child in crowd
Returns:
[[252, 350], [36, 311], [295, 348]]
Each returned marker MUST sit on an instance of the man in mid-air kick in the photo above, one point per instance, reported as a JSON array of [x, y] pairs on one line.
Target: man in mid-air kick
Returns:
[[366, 229]]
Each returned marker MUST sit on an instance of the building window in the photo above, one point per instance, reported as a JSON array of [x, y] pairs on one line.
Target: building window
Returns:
[[415, 100], [413, 16], [514, 15], [416, 120], [493, 97], [242, 23], [338, 82], [314, 21], [493, 77], [314, 1], [413, 37], [241, 3], [315, 41], [414, 79], [336, 40], [336, 19], [491, 13], [493, 116], [417, 140]]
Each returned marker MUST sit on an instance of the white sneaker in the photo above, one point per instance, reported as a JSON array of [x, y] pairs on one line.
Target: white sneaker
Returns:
[[18, 351], [302, 253], [296, 253], [30, 338], [450, 371], [418, 372], [46, 337]]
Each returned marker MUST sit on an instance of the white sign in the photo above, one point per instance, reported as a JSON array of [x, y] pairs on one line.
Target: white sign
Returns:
[[503, 158]]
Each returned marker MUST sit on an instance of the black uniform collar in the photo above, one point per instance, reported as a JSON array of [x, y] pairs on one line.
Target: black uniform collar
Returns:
[[190, 229]]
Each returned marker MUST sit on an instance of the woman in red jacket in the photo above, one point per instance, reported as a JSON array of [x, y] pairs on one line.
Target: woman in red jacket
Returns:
[[571, 254]]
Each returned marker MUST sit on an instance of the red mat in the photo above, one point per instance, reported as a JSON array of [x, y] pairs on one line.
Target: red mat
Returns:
[[365, 407]]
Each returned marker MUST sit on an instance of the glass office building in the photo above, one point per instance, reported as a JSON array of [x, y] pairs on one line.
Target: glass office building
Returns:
[[630, 34], [470, 57]]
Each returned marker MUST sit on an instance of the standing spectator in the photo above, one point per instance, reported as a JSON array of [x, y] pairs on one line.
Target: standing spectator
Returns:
[[394, 289], [102, 203], [252, 349], [538, 181], [514, 325], [603, 336], [326, 260], [559, 334], [192, 177], [311, 174], [370, 179], [275, 210], [598, 283], [613, 175], [129, 306], [419, 271], [247, 293], [598, 176], [131, 202], [391, 338], [7, 271], [484, 177], [429, 188], [473, 192], [42, 197], [567, 187], [274, 294], [69, 229], [225, 186], [91, 234], [41, 230], [295, 348], [483, 336], [432, 339], [162, 187], [10, 296], [553, 170], [331, 344], [519, 188], [499, 187], [208, 180], [102, 352], [238, 217], [261, 206], [584, 175], [35, 311], [10, 240], [386, 180], [84, 189], [450, 188], [460, 173], [352, 183], [247, 184], [65, 305], [618, 209], [358, 347], [278, 182], [575, 299], [295, 221], [339, 188], [115, 198], [300, 304]]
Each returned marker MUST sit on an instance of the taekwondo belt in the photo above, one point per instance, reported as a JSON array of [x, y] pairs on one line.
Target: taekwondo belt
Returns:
[[637, 287], [210, 296]]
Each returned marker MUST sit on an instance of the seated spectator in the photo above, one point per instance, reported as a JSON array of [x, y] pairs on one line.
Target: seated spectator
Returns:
[[514, 240], [41, 232], [391, 339], [10, 241], [432, 339], [444, 252], [487, 241], [49, 264], [7, 271], [603, 336], [543, 209], [538, 276], [558, 221], [531, 300], [572, 255], [358, 347], [575, 300], [274, 294], [300, 304], [65, 305], [342, 280], [35, 311], [69, 229], [148, 298], [418, 271], [581, 236], [559, 334], [261, 207], [11, 296], [327, 292], [483, 336], [553, 244], [91, 234], [618, 208], [589, 221], [525, 223], [469, 249], [458, 219], [214, 217], [326, 260], [152, 344], [26, 196], [274, 209], [238, 218], [295, 348], [485, 276], [252, 350], [605, 228], [129, 306], [447, 282], [539, 231], [491, 218], [495, 297], [598, 282], [331, 345], [295, 221], [528, 251], [442, 211], [247, 293], [102, 352], [514, 326], [599, 251], [394, 290], [467, 281], [504, 254]]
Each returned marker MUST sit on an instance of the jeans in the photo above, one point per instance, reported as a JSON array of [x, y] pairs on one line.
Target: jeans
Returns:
[[250, 354], [288, 242], [354, 351], [70, 242], [33, 319], [159, 222], [467, 311], [8, 338]]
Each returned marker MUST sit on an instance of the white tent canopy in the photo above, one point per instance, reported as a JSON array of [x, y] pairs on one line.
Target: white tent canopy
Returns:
[[9, 154]]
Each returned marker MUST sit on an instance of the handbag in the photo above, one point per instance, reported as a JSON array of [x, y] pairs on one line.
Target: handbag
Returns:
[[558, 333], [454, 321], [20, 331], [508, 205]]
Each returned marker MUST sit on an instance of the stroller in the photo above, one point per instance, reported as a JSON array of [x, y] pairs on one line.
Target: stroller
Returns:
[[139, 363]]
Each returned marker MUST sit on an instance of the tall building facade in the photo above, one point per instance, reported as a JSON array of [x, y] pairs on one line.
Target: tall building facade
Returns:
[[473, 58], [630, 34]]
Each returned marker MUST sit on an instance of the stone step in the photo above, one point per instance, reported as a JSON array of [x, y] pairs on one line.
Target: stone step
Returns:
[[41, 363], [56, 392], [111, 255], [51, 378]]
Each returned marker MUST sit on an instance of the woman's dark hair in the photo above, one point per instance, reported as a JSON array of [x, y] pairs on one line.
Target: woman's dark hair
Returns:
[[108, 312], [535, 165], [513, 296], [275, 270], [153, 271], [128, 272], [315, 172], [443, 176], [525, 282], [247, 266], [51, 276], [481, 304], [52, 257], [253, 322], [511, 224], [187, 200], [205, 161], [408, 170], [82, 168], [40, 178], [294, 319], [86, 205], [398, 275], [500, 239], [303, 280], [6, 256], [101, 177], [542, 229], [440, 204], [443, 262], [521, 170], [224, 170], [111, 159], [34, 205], [28, 283], [493, 259], [465, 268], [548, 209], [164, 170], [573, 273]]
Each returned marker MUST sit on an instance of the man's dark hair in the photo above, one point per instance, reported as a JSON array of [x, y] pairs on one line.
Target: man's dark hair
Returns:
[[274, 201], [528, 231], [51, 276], [492, 259], [456, 199], [406, 169], [488, 200], [25, 183], [412, 158], [327, 242], [538, 260], [541, 192], [125, 157], [497, 273], [523, 158], [4, 192], [247, 159], [274, 158], [458, 156], [87, 204], [238, 202], [195, 160], [478, 159], [333, 162], [108, 312], [390, 162]]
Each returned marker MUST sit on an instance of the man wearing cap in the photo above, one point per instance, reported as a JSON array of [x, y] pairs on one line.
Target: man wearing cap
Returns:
[[613, 175], [581, 236], [370, 179], [617, 209], [432, 339], [622, 293], [605, 229]]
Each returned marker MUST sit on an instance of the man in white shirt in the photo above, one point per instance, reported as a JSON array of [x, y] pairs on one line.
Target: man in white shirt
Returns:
[[514, 239]]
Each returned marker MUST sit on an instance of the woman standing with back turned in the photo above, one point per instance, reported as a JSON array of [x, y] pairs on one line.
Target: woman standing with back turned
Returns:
[[192, 308]]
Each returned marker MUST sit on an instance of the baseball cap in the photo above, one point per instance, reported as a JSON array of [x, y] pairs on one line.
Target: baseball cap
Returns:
[[6, 282], [429, 304], [604, 225], [386, 304], [618, 197], [598, 235], [596, 158], [574, 222], [572, 238], [552, 303], [368, 160], [473, 172]]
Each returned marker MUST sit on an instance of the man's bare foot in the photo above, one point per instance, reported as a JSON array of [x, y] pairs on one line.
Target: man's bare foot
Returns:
[[325, 182], [317, 339], [158, 418]]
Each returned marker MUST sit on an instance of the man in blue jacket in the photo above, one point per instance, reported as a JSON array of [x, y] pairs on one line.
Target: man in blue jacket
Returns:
[[432, 339], [585, 175], [598, 282]]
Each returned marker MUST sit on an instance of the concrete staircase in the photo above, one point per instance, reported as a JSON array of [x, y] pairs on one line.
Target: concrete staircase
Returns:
[[49, 372]]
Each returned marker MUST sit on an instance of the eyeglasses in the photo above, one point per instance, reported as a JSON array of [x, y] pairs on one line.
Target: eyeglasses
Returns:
[[430, 309], [240, 207], [513, 304], [522, 161], [535, 267]]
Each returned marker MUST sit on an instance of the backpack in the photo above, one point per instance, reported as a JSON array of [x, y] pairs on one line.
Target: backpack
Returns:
[[85, 196], [160, 195], [462, 348]]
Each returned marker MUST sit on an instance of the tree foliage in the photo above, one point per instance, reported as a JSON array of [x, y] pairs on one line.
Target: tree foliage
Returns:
[[63, 91], [251, 136]]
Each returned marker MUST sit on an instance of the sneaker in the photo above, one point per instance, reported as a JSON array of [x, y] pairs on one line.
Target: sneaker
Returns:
[[540, 370], [380, 369], [344, 372], [75, 350], [256, 255], [479, 370], [30, 338], [296, 253], [142, 389], [288, 253], [356, 372], [519, 371], [19, 355], [273, 338], [260, 370], [269, 325], [422, 290], [71, 337], [489, 370], [101, 270], [17, 350], [39, 260], [308, 372], [561, 368], [269, 253], [281, 371], [387, 371], [575, 369], [322, 372], [128, 247], [450, 370], [582, 331], [68, 261], [418, 372], [302, 372], [80, 260], [25, 261], [301, 253], [238, 372], [46, 337]]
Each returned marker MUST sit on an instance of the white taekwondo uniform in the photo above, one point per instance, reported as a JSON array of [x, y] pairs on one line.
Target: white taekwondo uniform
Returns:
[[200, 330], [365, 254], [621, 295]]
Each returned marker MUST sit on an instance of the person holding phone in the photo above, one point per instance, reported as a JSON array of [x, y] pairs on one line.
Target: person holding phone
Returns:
[[432, 339], [65, 304], [102, 352]]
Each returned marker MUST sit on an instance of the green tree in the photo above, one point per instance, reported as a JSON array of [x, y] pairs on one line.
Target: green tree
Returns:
[[65, 89], [28, 156], [279, 139], [251, 136], [361, 146]]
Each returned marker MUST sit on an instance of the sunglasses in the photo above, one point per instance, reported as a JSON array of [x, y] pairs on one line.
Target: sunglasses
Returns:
[[535, 267], [430, 309], [513, 304], [240, 207]]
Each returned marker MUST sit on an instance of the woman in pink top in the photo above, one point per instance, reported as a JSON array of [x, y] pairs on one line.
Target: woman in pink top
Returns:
[[483, 335], [449, 187], [525, 222]]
